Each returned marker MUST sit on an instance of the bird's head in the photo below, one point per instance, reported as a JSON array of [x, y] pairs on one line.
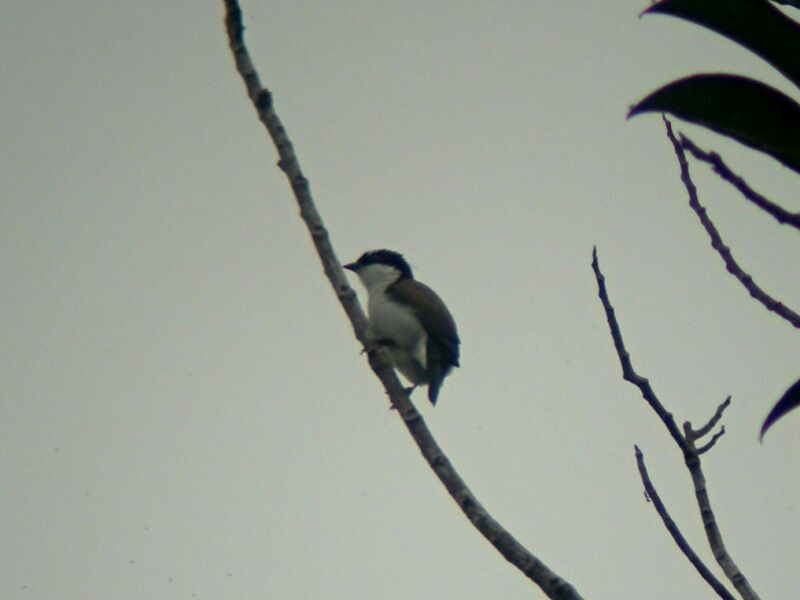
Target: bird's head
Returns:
[[380, 267]]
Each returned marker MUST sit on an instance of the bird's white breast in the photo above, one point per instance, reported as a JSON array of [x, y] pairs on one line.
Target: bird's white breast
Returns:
[[393, 321], [396, 324]]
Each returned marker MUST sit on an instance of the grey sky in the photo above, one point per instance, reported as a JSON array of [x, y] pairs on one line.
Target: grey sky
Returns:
[[184, 410]]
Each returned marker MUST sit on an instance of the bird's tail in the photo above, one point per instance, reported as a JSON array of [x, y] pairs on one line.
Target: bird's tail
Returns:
[[434, 385]]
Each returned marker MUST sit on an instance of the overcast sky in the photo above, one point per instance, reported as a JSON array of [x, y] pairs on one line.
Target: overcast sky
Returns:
[[184, 409]]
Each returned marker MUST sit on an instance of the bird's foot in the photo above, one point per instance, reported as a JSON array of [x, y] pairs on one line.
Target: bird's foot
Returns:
[[382, 342]]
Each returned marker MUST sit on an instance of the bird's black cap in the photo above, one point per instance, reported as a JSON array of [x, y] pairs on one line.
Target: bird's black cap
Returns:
[[383, 257]]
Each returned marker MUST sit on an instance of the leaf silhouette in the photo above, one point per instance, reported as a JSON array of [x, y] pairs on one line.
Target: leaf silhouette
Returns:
[[746, 110], [790, 400], [755, 24]]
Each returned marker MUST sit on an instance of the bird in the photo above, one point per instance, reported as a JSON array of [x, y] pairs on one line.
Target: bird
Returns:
[[408, 319]]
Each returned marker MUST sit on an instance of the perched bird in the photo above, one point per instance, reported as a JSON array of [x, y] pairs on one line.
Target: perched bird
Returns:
[[408, 319]]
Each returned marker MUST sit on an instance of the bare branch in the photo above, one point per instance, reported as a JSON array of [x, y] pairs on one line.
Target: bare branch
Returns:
[[795, 3], [676, 534], [708, 446], [692, 435], [551, 584], [716, 241], [698, 433], [779, 213], [713, 533], [628, 372], [686, 444]]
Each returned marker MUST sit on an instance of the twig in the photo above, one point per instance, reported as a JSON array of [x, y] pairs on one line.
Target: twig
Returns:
[[695, 434], [716, 241], [685, 441], [676, 534], [551, 584], [628, 372], [713, 534], [698, 433], [712, 442], [779, 213]]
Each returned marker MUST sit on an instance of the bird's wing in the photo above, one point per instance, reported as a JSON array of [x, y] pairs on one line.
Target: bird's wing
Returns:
[[424, 301]]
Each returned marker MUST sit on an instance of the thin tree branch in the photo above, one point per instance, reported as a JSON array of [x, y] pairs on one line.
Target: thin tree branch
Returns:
[[716, 241], [628, 372], [780, 214], [551, 584], [685, 441], [713, 533], [676, 534], [698, 433], [712, 442]]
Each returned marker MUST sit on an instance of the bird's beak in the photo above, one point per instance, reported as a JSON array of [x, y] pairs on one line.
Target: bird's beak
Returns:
[[351, 267]]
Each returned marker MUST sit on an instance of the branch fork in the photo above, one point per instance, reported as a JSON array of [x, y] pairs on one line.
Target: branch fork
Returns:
[[686, 442]]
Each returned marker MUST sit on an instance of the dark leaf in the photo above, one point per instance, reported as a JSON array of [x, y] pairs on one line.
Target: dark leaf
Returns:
[[790, 400], [755, 24], [746, 110]]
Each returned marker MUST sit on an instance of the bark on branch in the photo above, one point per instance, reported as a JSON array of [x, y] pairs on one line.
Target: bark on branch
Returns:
[[685, 441], [780, 214], [550, 583], [677, 536], [733, 267]]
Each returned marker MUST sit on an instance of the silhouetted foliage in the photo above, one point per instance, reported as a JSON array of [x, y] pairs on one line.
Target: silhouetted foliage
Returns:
[[749, 111]]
